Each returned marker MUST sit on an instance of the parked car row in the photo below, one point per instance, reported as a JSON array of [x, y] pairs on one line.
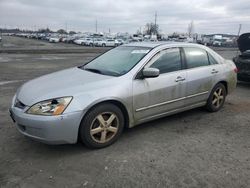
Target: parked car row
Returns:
[[75, 39], [99, 42]]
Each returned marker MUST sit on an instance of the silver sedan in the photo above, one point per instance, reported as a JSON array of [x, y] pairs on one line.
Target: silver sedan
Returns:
[[124, 87]]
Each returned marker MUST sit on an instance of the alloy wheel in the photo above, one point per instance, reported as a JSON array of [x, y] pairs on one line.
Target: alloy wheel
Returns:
[[104, 127], [218, 97]]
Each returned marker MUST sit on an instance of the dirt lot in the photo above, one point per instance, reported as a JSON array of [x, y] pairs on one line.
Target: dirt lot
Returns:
[[20, 42], [191, 149]]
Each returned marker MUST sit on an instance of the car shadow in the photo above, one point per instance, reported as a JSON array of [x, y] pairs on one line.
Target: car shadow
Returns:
[[179, 120]]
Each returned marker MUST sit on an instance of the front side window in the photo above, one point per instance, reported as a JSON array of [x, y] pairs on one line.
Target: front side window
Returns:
[[168, 60], [196, 57]]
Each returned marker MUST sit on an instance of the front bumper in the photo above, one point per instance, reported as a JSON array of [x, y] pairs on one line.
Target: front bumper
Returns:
[[60, 129]]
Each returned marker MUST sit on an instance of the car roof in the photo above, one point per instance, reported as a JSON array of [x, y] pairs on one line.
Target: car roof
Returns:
[[157, 44]]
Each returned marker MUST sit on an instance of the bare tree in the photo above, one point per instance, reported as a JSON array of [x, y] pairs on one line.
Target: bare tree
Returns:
[[151, 28], [61, 31], [72, 32], [47, 30]]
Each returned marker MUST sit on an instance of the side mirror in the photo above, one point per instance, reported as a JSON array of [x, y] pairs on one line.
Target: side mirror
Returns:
[[150, 72]]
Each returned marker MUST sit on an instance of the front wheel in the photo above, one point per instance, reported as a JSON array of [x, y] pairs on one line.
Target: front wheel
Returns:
[[217, 98], [102, 126]]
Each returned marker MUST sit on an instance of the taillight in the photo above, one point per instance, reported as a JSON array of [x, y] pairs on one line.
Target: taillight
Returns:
[[236, 70]]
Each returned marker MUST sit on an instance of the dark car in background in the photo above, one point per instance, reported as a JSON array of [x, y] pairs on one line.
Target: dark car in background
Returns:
[[242, 61]]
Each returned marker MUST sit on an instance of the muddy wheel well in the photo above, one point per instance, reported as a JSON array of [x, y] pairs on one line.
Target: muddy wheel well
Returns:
[[119, 105], [225, 84]]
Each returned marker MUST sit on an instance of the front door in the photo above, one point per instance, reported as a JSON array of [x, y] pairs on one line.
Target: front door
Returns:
[[153, 97]]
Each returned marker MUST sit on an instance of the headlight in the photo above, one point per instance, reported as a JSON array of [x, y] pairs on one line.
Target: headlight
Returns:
[[50, 107]]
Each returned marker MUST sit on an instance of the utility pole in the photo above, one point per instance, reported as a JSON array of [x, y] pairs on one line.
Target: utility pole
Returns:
[[1, 37], [155, 22], [96, 25], [239, 30], [66, 26]]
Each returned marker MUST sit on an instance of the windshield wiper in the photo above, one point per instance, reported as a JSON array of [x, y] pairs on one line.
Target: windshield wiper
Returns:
[[93, 70], [104, 72]]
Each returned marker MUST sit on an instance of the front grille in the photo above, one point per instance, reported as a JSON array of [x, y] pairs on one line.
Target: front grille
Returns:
[[19, 104]]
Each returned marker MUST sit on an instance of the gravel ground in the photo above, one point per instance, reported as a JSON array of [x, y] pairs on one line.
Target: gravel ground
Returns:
[[190, 149]]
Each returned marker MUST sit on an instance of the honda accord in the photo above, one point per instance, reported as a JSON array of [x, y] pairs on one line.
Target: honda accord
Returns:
[[126, 86]]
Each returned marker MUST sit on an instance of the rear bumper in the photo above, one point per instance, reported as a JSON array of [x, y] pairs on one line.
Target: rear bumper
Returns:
[[48, 129]]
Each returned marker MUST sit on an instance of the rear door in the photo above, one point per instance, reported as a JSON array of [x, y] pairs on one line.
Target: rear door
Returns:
[[201, 75]]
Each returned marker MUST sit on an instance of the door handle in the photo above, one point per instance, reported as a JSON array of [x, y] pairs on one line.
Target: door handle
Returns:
[[214, 71], [179, 79]]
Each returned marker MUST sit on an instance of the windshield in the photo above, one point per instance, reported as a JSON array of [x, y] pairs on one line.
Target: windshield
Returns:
[[117, 61]]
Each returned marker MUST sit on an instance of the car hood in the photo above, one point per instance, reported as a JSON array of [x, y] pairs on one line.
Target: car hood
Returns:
[[67, 82], [244, 42]]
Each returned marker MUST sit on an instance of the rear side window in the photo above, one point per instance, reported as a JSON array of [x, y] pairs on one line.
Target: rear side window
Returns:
[[167, 60], [211, 59], [196, 57]]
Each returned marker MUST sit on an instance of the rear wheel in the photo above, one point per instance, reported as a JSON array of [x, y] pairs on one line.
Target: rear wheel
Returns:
[[103, 45], [102, 126], [217, 98]]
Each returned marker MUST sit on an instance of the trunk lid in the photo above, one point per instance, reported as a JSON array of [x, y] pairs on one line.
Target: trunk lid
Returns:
[[244, 42]]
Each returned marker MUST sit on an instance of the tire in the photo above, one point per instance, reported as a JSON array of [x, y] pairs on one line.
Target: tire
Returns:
[[217, 98], [103, 45], [97, 121]]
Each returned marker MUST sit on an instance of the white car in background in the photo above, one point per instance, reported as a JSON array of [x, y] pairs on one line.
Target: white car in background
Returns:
[[111, 42], [89, 42], [120, 41], [107, 42], [54, 39], [100, 42], [80, 41]]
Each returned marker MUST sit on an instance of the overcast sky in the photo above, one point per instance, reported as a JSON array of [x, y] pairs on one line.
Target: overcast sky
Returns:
[[209, 16]]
